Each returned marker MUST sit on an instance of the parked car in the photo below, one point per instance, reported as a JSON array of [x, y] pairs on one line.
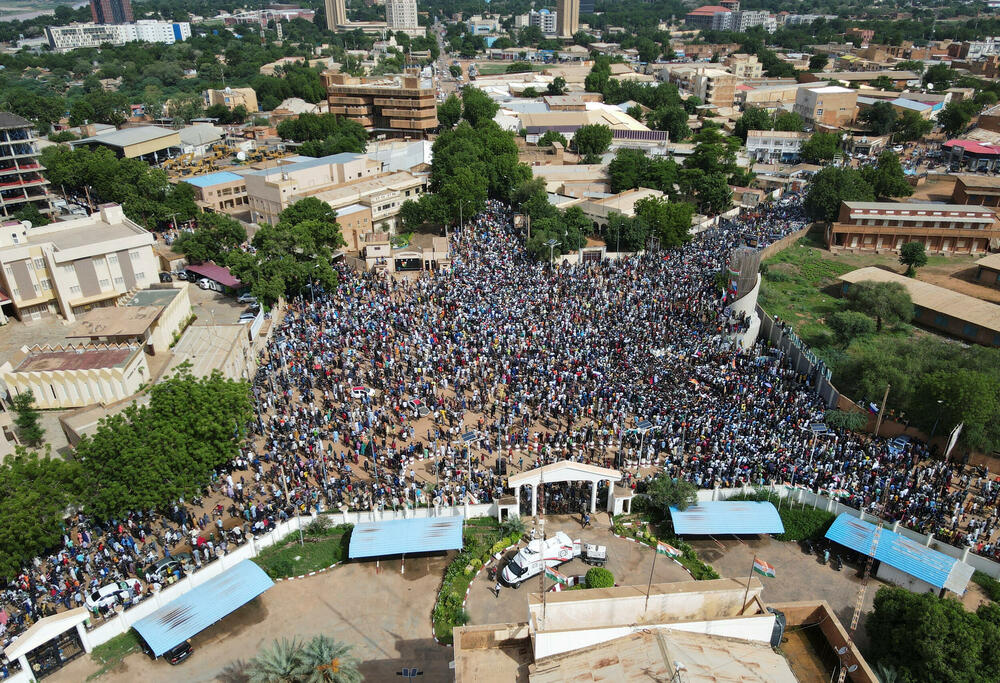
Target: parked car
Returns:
[[205, 283], [419, 406], [899, 443], [166, 277], [175, 655], [181, 275], [361, 392], [160, 570], [246, 298], [897, 148], [247, 316], [113, 593]]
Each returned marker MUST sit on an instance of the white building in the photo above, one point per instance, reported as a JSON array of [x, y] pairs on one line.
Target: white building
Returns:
[[63, 38], [775, 146], [546, 20], [401, 15]]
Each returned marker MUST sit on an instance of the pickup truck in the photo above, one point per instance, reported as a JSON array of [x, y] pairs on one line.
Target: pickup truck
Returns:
[[533, 558]]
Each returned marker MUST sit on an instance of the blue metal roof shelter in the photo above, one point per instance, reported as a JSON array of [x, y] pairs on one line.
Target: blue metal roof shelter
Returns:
[[403, 536], [727, 517], [908, 556], [202, 606]]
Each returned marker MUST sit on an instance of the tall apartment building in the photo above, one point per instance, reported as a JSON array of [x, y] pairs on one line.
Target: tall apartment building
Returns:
[[69, 267], [401, 104], [719, 18], [830, 105], [941, 228], [339, 180], [715, 87], [546, 21], [336, 14], [744, 66], [568, 12], [62, 38], [401, 15], [111, 11], [21, 179]]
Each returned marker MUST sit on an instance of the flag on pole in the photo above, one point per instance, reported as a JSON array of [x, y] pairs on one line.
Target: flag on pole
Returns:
[[551, 573], [667, 549], [953, 439], [763, 568]]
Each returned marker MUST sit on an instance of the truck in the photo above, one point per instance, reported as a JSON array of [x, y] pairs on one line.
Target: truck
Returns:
[[539, 554]]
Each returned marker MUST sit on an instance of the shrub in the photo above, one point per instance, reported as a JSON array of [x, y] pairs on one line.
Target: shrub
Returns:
[[281, 566], [598, 577], [498, 546], [317, 527], [989, 585]]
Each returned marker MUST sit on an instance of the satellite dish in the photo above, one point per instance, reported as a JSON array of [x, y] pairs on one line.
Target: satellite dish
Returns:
[[842, 650], [26, 225], [242, 156], [852, 668]]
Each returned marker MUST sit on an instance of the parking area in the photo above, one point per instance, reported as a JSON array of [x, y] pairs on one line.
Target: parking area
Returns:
[[214, 308], [629, 562]]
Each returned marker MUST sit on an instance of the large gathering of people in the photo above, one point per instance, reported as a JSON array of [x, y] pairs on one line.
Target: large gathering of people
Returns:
[[430, 388]]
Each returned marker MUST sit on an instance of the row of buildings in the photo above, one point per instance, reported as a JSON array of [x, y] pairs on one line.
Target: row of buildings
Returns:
[[74, 36]]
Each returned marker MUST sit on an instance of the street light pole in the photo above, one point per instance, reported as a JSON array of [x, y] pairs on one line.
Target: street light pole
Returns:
[[552, 243]]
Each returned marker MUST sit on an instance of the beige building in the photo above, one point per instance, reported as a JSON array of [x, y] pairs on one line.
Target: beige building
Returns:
[[715, 87], [151, 144], [401, 15], [744, 66], [568, 17], [598, 210], [831, 105], [231, 98], [67, 268], [226, 348], [74, 376], [220, 192], [153, 318], [336, 14], [355, 221], [402, 103], [340, 180]]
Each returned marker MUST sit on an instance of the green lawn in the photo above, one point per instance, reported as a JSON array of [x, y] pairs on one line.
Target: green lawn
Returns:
[[320, 547], [494, 69], [111, 653]]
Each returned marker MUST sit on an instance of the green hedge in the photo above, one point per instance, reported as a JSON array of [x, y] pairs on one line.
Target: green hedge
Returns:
[[599, 577], [990, 585], [800, 522]]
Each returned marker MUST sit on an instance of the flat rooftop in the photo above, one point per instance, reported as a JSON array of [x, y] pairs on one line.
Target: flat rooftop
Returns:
[[79, 358], [115, 321], [131, 136], [154, 297], [81, 233], [211, 179], [337, 193]]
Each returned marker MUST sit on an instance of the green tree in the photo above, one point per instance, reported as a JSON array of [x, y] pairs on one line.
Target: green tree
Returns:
[[325, 660], [551, 136], [886, 177], [913, 256], [477, 106], [818, 62], [668, 221], [35, 493], [673, 119], [624, 233], [940, 77], [599, 577], [753, 118], [450, 111], [954, 118], [912, 126], [518, 68], [280, 663], [557, 86], [594, 138], [849, 325], [455, 70], [880, 118], [215, 236], [841, 419], [832, 186], [887, 302], [27, 419], [819, 147], [428, 210], [789, 121], [665, 492], [914, 65]]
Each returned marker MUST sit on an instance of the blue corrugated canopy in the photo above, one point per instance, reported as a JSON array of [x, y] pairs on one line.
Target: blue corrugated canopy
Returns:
[[919, 561], [202, 606], [725, 517], [402, 536]]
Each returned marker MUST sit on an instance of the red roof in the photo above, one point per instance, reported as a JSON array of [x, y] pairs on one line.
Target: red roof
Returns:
[[708, 10], [4, 299], [974, 147], [743, 86], [217, 273]]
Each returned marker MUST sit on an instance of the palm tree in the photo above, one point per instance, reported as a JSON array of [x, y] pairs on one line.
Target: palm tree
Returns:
[[325, 660], [886, 673], [279, 663]]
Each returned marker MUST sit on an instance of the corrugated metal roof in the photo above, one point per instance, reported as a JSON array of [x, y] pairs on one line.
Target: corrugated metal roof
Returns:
[[402, 536], [210, 179], [897, 551], [215, 272], [726, 517], [202, 606]]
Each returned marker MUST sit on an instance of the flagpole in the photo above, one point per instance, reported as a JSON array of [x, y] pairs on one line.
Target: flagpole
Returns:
[[746, 593], [650, 584]]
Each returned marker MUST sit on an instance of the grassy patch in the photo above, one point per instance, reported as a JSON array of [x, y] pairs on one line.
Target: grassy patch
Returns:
[[481, 538], [989, 585], [322, 546], [494, 69], [800, 522], [110, 654]]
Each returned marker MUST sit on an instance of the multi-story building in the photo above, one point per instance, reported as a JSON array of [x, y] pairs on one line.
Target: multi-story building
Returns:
[[220, 192], [545, 20], [744, 66], [715, 87], [401, 15], [568, 12], [69, 267], [830, 105], [402, 104], [336, 14], [719, 18], [231, 98], [111, 11], [775, 146], [704, 17], [941, 228], [866, 35], [981, 190], [21, 179], [63, 38]]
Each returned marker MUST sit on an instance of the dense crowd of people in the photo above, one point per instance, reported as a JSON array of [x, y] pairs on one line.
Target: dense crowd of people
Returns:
[[429, 390]]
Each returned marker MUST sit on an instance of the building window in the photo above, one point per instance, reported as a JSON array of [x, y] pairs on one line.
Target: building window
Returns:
[[917, 311], [105, 284], [40, 263], [113, 258], [970, 330], [140, 276], [941, 320], [75, 289], [31, 265], [134, 255], [120, 282], [17, 293], [46, 284]]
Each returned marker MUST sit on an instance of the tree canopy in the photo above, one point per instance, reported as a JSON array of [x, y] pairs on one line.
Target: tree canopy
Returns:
[[913, 255], [819, 147], [830, 187], [665, 492], [886, 177], [885, 301], [473, 163], [213, 238], [592, 139], [324, 134]]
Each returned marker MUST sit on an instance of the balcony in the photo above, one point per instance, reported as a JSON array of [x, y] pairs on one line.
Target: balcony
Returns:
[[415, 124], [849, 229], [410, 113]]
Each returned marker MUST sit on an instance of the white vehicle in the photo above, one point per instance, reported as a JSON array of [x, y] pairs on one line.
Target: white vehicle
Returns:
[[361, 392], [113, 593], [205, 283], [246, 298], [532, 559]]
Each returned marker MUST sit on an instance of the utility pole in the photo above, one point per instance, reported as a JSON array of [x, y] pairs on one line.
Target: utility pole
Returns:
[[881, 411]]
